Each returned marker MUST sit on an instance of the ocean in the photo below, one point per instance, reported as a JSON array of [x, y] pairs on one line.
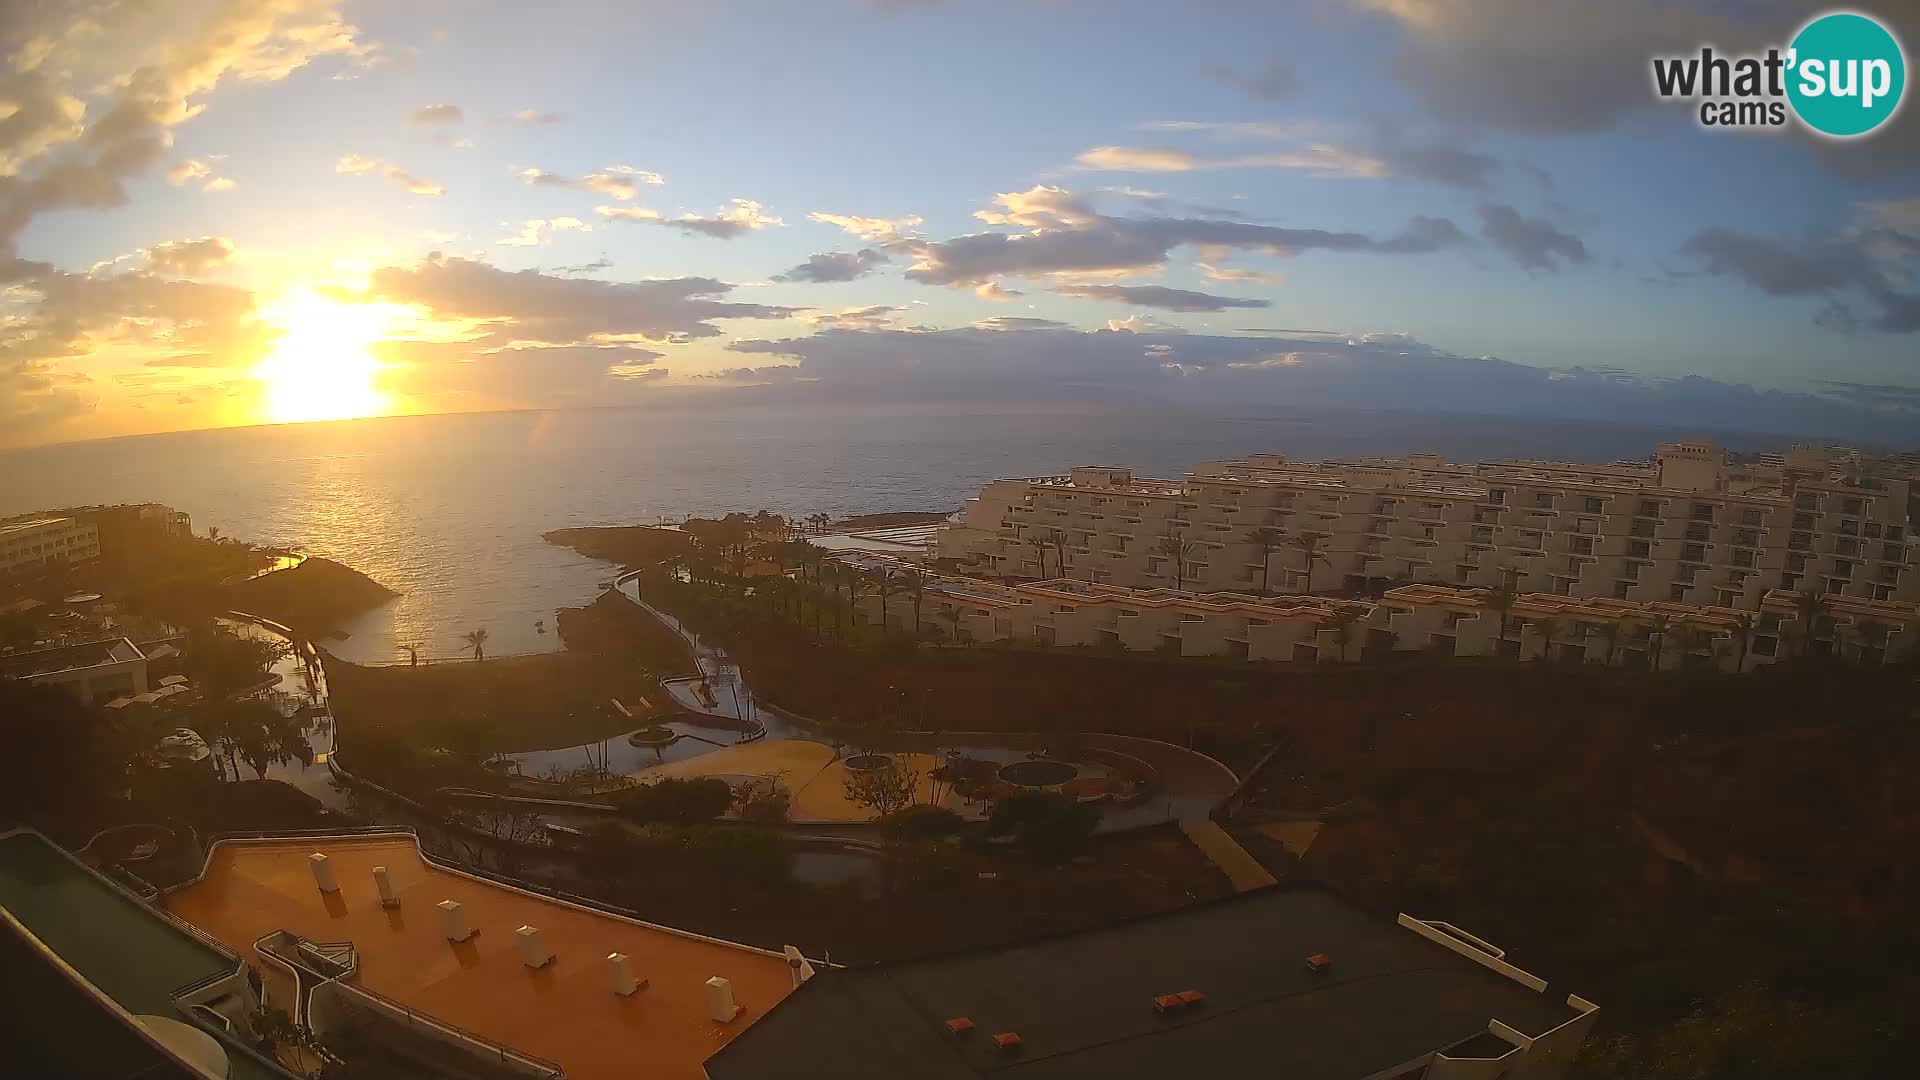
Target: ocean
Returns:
[[449, 509]]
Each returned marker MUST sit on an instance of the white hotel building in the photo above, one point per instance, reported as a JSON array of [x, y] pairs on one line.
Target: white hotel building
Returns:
[[1688, 527]]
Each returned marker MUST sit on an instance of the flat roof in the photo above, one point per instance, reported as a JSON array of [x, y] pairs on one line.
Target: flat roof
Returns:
[[563, 1012], [30, 523], [69, 658], [1082, 1003], [117, 943]]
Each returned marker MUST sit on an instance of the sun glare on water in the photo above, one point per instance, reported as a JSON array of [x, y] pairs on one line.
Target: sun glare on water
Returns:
[[319, 368]]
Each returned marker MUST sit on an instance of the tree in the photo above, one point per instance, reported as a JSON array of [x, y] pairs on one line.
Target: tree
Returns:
[[886, 790], [221, 663], [916, 585], [61, 757], [255, 732], [413, 654], [1309, 547], [883, 580], [1177, 550], [1045, 823], [1685, 639], [1501, 599], [1743, 625], [1551, 631], [1657, 629], [1342, 624], [477, 641], [1610, 633], [677, 801], [1039, 543], [1810, 617], [1264, 540]]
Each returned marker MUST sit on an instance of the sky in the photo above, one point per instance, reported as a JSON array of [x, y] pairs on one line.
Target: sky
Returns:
[[258, 211]]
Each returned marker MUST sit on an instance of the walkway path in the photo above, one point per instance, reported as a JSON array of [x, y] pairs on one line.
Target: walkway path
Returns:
[[1242, 869]]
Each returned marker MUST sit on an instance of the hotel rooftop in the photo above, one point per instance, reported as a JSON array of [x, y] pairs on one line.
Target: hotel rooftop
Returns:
[[562, 1011], [1287, 982]]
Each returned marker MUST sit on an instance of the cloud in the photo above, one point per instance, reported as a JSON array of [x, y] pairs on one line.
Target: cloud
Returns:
[[189, 257], [355, 165], [618, 181], [877, 230], [531, 118], [866, 318], [536, 231], [152, 71], [1320, 159], [1833, 268], [1436, 162], [1159, 296], [1273, 81], [219, 183], [1531, 242], [740, 216], [1065, 235], [438, 116], [529, 306], [1001, 324], [1043, 360], [194, 169], [836, 266], [994, 291]]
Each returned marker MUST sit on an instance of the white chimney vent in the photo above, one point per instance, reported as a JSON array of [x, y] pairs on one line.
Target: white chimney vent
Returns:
[[720, 1003], [797, 967], [384, 883], [620, 976], [533, 947], [322, 872], [453, 921]]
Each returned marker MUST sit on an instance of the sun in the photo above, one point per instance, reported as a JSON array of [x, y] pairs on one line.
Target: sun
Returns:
[[319, 367]]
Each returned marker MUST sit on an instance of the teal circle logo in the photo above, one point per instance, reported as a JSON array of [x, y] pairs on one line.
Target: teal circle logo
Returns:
[[1847, 74]]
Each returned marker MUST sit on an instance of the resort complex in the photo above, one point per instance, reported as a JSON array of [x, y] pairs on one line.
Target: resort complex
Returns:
[[1689, 527], [435, 971], [1727, 565]]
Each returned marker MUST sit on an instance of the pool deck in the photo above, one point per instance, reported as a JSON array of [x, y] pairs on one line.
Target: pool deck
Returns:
[[563, 1012]]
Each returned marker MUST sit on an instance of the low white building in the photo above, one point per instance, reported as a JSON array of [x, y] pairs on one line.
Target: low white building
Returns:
[[97, 671]]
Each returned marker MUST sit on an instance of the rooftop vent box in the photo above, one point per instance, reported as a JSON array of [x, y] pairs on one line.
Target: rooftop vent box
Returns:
[[959, 1027], [453, 921], [1165, 1003], [720, 1004], [322, 872], [1319, 963], [533, 947], [1191, 997], [1007, 1041]]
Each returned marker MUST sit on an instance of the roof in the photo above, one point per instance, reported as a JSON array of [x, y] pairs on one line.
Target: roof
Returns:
[[69, 658], [29, 523], [127, 951], [563, 1012], [1082, 1003]]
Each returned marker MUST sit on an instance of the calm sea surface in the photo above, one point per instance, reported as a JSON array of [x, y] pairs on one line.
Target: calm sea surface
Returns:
[[449, 509]]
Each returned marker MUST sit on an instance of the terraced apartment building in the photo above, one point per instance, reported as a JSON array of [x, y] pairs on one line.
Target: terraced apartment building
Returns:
[[1689, 526]]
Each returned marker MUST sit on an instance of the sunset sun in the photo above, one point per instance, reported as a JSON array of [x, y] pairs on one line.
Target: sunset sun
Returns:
[[319, 368]]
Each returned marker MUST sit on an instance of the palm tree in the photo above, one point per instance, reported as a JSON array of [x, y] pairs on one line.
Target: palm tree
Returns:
[[883, 582], [1810, 615], [1551, 630], [1059, 539], [1264, 539], [477, 641], [916, 585], [413, 654], [213, 533], [1039, 544], [1309, 545], [1342, 624], [1657, 629], [858, 584], [1685, 639], [1610, 633], [818, 521], [1178, 550], [1743, 625], [1501, 599]]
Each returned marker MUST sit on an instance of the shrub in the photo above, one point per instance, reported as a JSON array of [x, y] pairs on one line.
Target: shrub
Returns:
[[1043, 823], [922, 823], [674, 801], [762, 803]]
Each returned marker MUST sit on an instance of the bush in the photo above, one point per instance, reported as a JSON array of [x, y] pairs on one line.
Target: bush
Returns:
[[675, 801], [1044, 823], [922, 823], [762, 803]]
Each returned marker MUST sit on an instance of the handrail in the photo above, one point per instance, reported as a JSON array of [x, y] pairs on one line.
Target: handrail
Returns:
[[413, 1015]]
